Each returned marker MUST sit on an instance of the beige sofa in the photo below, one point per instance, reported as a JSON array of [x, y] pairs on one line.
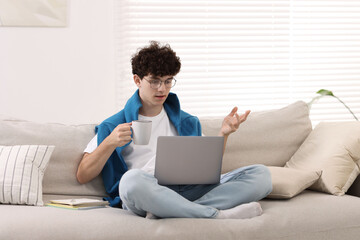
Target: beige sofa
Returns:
[[274, 138]]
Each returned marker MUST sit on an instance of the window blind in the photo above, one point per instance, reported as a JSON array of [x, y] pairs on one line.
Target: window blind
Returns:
[[256, 55]]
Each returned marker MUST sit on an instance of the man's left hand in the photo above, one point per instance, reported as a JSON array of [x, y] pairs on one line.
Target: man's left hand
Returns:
[[232, 122]]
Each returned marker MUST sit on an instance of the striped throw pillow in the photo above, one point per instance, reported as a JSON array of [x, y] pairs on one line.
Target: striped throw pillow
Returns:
[[21, 173]]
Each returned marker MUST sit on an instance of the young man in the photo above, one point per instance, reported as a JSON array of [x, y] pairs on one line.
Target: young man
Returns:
[[128, 169]]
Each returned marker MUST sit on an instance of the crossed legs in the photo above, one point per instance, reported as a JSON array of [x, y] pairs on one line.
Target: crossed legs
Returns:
[[141, 193]]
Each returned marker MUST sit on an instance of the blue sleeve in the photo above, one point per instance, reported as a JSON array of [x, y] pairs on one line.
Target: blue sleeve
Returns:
[[113, 169], [190, 126]]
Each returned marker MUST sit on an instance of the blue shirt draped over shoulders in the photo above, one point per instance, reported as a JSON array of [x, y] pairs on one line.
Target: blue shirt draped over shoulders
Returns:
[[115, 167]]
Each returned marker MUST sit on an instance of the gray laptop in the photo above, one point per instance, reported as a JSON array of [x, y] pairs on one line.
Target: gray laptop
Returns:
[[188, 160]]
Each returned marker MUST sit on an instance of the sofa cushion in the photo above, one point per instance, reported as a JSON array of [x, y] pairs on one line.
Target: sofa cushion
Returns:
[[308, 216], [288, 182], [21, 173], [268, 137], [334, 148], [69, 142]]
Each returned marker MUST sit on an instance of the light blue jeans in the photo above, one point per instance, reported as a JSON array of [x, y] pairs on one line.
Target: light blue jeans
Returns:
[[141, 193]]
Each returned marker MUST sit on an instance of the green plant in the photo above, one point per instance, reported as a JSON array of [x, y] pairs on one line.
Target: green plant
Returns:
[[324, 92]]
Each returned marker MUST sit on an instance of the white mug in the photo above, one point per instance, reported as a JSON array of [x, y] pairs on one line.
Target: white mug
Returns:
[[141, 130]]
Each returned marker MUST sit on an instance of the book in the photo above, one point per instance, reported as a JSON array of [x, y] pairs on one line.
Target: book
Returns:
[[73, 207], [78, 203]]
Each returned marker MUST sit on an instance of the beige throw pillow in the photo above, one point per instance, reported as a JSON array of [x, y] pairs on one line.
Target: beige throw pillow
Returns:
[[334, 148], [288, 182], [21, 173]]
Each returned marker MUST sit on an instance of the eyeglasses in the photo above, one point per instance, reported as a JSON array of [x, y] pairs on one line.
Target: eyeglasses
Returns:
[[156, 83]]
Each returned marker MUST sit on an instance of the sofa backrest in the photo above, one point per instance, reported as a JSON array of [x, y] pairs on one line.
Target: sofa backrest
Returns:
[[268, 137], [70, 142]]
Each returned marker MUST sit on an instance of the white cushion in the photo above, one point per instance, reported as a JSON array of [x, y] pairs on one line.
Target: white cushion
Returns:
[[333, 148], [288, 182], [21, 173]]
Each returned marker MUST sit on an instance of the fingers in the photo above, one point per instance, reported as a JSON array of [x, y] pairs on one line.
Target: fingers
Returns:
[[124, 125], [242, 118], [121, 134], [124, 129], [233, 111], [232, 122]]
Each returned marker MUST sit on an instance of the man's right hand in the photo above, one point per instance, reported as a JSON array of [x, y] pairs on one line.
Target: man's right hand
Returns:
[[120, 136], [92, 163]]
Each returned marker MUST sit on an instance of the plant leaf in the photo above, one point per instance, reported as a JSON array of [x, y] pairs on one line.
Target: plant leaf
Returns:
[[324, 92]]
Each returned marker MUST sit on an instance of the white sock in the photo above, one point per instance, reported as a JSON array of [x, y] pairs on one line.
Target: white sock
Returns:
[[248, 210], [150, 216]]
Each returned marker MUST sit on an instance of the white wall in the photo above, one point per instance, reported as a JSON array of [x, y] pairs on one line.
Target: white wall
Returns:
[[61, 75]]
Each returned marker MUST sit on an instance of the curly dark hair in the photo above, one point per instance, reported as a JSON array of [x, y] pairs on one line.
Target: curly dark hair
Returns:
[[155, 60]]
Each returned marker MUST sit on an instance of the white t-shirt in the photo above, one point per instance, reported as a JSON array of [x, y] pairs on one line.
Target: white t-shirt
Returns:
[[143, 156]]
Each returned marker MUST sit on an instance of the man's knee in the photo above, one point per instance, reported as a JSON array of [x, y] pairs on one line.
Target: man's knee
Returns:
[[131, 183], [264, 178]]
